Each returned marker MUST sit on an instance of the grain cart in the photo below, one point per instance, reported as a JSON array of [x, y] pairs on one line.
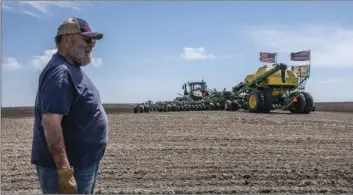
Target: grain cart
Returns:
[[273, 87]]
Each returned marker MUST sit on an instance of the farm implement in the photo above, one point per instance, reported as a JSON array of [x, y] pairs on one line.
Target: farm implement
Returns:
[[272, 88], [269, 88], [196, 97]]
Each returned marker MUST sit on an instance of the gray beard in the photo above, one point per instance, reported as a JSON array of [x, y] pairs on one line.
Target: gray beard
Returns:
[[79, 56]]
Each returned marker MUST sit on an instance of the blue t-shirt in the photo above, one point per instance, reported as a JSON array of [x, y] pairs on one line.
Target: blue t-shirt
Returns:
[[66, 89]]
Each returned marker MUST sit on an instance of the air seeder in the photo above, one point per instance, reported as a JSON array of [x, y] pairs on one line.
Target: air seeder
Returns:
[[275, 87], [269, 88]]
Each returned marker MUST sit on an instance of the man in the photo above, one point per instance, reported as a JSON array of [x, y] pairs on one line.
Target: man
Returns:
[[70, 125]]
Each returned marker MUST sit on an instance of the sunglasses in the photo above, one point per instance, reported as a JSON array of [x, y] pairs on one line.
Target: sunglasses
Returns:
[[89, 40]]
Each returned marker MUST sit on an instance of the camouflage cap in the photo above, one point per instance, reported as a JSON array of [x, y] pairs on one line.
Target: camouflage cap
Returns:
[[77, 26]]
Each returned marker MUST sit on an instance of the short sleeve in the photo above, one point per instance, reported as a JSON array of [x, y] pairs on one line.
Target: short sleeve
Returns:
[[57, 94]]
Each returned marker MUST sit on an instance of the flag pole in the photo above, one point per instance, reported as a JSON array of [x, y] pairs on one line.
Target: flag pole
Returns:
[[309, 62]]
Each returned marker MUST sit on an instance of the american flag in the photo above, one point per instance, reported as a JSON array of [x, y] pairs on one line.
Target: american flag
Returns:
[[268, 57], [300, 56]]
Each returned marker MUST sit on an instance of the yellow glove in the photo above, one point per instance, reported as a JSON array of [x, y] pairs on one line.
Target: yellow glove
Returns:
[[67, 182]]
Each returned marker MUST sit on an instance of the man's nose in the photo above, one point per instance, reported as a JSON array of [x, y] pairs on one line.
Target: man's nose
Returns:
[[92, 43]]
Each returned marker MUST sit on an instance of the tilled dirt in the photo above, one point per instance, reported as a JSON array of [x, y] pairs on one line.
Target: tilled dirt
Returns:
[[206, 152]]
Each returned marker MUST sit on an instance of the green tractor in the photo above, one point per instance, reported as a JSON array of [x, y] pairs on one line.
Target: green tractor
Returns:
[[197, 90]]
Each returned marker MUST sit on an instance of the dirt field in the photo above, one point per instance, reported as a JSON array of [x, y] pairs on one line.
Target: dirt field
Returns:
[[206, 152]]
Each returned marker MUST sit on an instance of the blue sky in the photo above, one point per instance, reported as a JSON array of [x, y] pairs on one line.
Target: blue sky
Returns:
[[150, 49]]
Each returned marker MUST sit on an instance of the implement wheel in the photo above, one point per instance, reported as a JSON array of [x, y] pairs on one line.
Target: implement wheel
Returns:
[[256, 101], [298, 106], [309, 103]]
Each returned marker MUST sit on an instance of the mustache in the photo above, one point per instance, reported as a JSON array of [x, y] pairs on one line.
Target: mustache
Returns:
[[82, 56]]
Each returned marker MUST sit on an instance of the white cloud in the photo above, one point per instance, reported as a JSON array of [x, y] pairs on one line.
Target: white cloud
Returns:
[[331, 46], [196, 54], [39, 61], [43, 9], [11, 64], [5, 6], [97, 62], [30, 13], [47, 6]]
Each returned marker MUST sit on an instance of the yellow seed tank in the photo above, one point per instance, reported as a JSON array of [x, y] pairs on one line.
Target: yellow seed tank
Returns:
[[275, 80]]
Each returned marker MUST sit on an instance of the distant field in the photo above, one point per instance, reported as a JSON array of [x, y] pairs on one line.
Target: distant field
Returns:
[[14, 112]]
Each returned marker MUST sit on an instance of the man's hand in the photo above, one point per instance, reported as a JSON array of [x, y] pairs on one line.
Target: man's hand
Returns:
[[67, 182], [55, 140]]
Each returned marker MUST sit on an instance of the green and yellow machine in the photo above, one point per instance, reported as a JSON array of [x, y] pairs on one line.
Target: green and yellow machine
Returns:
[[273, 87], [269, 88]]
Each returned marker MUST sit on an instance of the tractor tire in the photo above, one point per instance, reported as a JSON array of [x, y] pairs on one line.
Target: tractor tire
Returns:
[[268, 101], [211, 106], [256, 101], [174, 108], [168, 108], [235, 106], [217, 106], [298, 107], [140, 109], [309, 103], [228, 105]]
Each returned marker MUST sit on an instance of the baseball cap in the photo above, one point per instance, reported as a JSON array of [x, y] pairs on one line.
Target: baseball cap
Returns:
[[77, 26]]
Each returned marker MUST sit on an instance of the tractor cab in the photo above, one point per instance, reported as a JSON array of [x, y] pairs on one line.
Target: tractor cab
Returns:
[[195, 88]]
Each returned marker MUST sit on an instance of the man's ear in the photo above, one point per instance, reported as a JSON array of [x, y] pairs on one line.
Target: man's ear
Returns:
[[66, 40]]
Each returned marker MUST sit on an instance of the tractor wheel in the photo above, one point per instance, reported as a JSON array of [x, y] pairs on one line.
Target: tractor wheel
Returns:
[[246, 106], [211, 106], [168, 108], [235, 106], [268, 100], [256, 101], [222, 106], [299, 106], [309, 103], [228, 105], [174, 108], [217, 106], [140, 109]]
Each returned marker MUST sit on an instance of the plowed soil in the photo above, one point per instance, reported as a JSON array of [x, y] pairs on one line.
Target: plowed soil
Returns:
[[206, 152]]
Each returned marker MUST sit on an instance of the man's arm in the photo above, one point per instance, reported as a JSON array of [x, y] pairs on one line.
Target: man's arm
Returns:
[[55, 139], [57, 96]]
